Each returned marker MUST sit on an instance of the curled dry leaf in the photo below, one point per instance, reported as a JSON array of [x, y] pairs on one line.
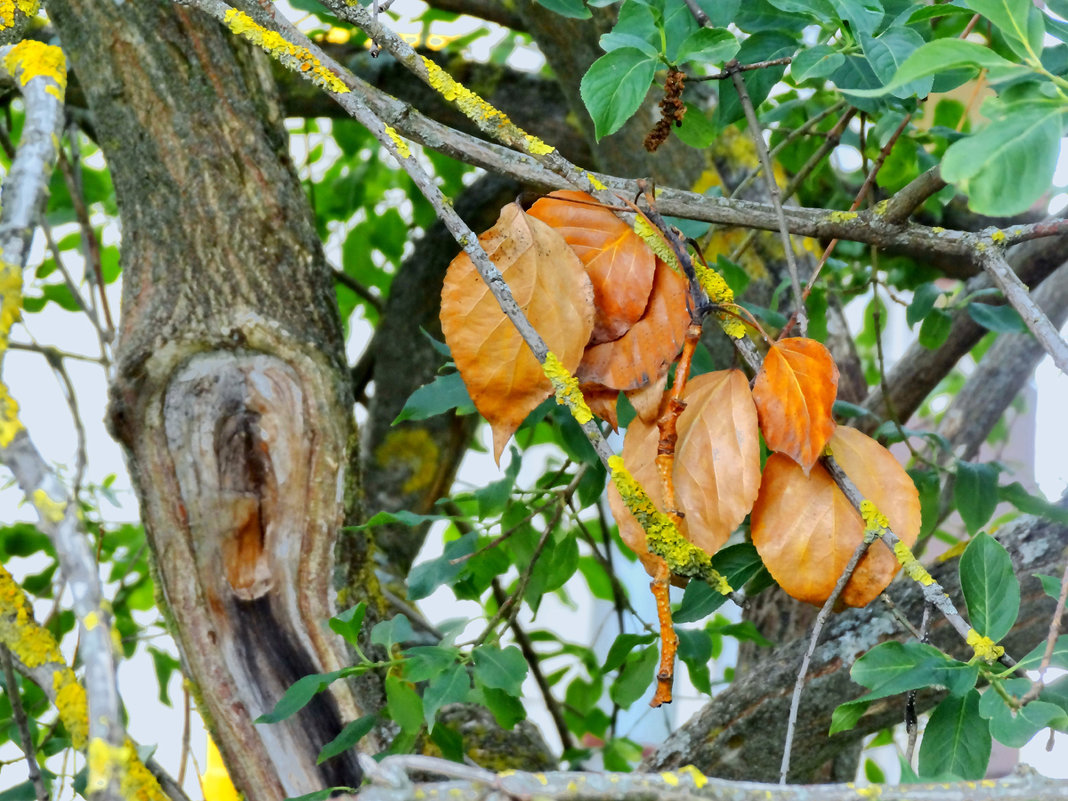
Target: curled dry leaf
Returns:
[[643, 354], [549, 284], [794, 392], [647, 401], [806, 530], [620, 265], [717, 464]]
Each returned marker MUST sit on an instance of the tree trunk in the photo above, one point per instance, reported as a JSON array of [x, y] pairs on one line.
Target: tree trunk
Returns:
[[230, 394]]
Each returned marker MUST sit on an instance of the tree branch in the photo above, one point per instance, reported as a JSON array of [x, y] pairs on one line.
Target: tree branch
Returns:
[[390, 782]]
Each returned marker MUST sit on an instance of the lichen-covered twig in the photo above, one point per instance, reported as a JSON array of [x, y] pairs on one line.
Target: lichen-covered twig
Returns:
[[390, 782], [18, 712], [40, 72]]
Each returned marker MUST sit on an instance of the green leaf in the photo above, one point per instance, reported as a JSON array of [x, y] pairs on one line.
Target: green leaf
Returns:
[[1058, 659], [348, 623], [820, 61], [935, 329], [1000, 319], [450, 687], [1016, 727], [425, 661], [164, 665], [614, 87], [575, 9], [892, 668], [388, 633], [845, 410], [404, 704], [634, 679], [975, 493], [1006, 167], [943, 55], [622, 647], [863, 16], [929, 488], [426, 577], [615, 41], [493, 497], [444, 393], [886, 54], [507, 709], [956, 740], [500, 669], [924, 298], [990, 587], [696, 129], [708, 46], [1021, 23], [299, 694], [737, 563], [349, 736], [1051, 585], [1018, 496]]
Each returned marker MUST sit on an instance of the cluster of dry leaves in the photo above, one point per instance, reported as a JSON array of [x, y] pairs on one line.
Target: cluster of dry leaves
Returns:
[[616, 317]]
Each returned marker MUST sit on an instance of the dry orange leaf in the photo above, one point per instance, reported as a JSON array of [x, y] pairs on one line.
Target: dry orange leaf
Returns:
[[645, 400], [717, 464], [794, 392], [805, 530], [550, 285], [644, 353], [619, 263], [717, 457]]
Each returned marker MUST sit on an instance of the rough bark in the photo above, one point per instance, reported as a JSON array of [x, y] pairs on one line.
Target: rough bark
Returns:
[[740, 734], [230, 392]]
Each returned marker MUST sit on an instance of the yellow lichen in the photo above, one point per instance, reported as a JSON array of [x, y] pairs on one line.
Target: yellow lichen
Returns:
[[719, 293], [10, 425], [938, 229], [469, 103], [542, 779], [107, 763], [662, 537], [8, 9], [913, 569], [874, 520], [566, 389], [984, 647], [595, 182], [50, 510], [871, 791], [31, 59], [699, 779], [998, 236], [842, 216], [652, 237], [30, 643], [92, 620], [536, 147], [670, 779], [289, 55], [72, 706], [414, 448], [400, 144]]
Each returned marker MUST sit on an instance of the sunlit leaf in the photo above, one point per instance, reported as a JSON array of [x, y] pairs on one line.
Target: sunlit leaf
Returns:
[[550, 285], [645, 352], [794, 392], [806, 530], [619, 263]]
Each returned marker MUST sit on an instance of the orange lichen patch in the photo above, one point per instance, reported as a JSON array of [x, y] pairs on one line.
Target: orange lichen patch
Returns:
[[289, 55], [30, 643], [31, 59]]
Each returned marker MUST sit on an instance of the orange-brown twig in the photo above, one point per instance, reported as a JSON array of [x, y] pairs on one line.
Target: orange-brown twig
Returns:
[[665, 464]]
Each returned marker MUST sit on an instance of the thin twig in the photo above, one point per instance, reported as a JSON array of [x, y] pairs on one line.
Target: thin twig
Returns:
[[1051, 641], [731, 71], [698, 14], [363, 292], [183, 756], [29, 751], [773, 192], [910, 700], [817, 630], [992, 258]]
